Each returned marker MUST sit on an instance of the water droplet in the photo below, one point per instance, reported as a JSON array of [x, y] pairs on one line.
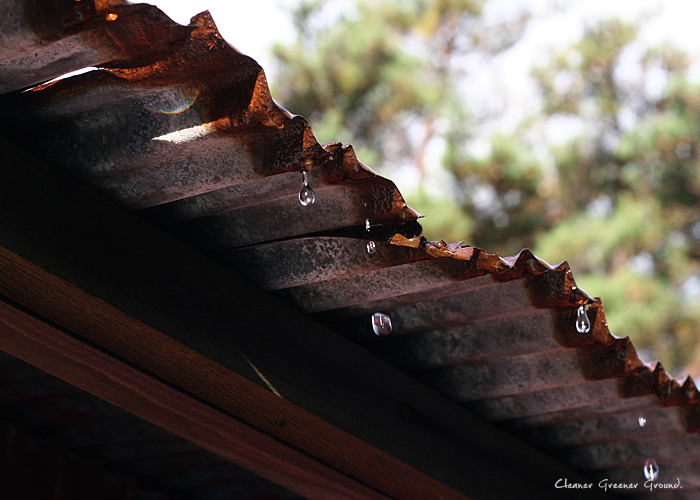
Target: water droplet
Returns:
[[371, 247], [583, 324], [651, 470], [111, 16], [306, 195], [642, 421], [381, 324], [367, 225]]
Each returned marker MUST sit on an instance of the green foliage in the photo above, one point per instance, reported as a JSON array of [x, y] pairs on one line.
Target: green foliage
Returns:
[[639, 252], [600, 244], [582, 76], [504, 193], [384, 74], [443, 220]]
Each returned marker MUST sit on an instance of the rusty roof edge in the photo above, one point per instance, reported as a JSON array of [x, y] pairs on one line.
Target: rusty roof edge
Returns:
[[202, 52], [618, 350], [46, 40], [522, 265]]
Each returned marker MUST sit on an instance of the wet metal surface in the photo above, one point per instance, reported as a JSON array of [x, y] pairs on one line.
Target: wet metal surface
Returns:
[[180, 127]]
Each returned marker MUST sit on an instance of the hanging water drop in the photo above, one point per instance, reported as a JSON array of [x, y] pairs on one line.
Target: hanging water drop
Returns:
[[651, 470], [371, 247], [381, 324], [583, 324], [306, 195], [642, 421], [367, 225]]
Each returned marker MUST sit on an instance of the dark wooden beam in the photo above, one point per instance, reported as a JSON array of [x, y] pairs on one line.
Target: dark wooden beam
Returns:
[[123, 385], [117, 285]]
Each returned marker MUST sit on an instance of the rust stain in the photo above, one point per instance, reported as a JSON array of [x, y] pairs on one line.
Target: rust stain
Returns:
[[454, 250], [52, 20], [644, 382], [400, 240], [600, 361]]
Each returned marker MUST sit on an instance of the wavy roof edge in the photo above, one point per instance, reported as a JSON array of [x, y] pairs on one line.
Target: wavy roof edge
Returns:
[[164, 54]]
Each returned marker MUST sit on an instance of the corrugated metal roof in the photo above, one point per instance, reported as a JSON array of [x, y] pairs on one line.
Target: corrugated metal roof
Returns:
[[181, 128]]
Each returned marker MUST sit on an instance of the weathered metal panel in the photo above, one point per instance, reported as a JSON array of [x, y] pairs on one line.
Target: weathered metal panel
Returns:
[[501, 336], [527, 404], [44, 40], [677, 449], [652, 421], [301, 261], [494, 378], [181, 128]]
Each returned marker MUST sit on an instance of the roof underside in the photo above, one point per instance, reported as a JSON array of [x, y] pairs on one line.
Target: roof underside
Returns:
[[180, 128], [58, 440]]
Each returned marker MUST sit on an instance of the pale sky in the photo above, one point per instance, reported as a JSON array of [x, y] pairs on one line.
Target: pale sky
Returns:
[[251, 27], [240, 22]]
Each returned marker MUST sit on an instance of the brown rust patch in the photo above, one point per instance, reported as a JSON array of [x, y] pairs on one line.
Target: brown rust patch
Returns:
[[515, 267], [600, 361], [553, 288], [440, 249], [227, 77], [672, 392], [380, 199], [400, 240], [690, 417], [275, 150], [691, 390], [142, 33], [655, 380], [643, 382], [344, 164], [52, 20]]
